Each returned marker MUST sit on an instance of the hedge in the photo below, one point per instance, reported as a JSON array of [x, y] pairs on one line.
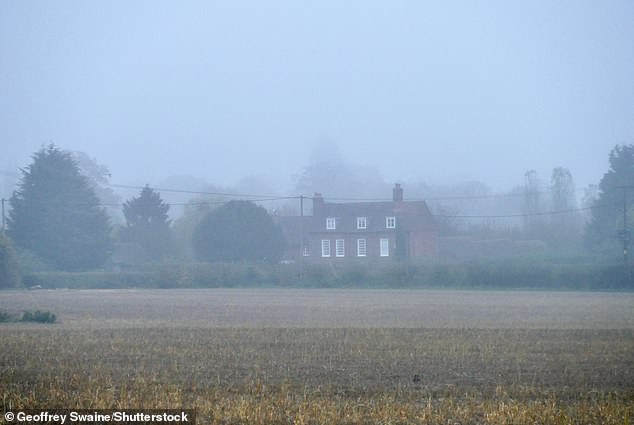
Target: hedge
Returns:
[[494, 275]]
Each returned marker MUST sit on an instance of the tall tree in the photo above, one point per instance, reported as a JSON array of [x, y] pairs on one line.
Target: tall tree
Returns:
[[533, 225], [237, 231], [590, 196], [98, 179], [148, 224], [607, 214], [185, 225], [329, 173], [565, 223], [56, 214]]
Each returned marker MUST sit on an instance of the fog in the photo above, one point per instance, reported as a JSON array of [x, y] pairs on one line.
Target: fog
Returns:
[[225, 94]]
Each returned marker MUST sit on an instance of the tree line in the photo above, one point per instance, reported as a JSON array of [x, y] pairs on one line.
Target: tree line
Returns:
[[56, 215]]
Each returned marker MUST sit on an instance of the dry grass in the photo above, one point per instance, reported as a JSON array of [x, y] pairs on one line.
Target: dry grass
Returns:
[[243, 368]]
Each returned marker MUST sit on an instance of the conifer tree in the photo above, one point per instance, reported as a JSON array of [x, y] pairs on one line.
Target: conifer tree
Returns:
[[148, 224], [56, 214], [607, 222]]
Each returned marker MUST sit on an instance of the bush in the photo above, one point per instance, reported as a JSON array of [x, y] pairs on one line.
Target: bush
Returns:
[[9, 268], [38, 316], [238, 231], [30, 262]]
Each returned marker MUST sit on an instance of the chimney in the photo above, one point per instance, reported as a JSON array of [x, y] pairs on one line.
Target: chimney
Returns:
[[318, 204], [397, 193]]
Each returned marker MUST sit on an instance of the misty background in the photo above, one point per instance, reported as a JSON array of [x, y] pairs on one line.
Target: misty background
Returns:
[[451, 98]]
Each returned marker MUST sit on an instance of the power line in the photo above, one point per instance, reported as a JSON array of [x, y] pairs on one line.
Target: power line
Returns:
[[434, 198], [268, 198], [440, 198], [195, 192], [210, 202], [340, 199], [278, 198], [537, 213]]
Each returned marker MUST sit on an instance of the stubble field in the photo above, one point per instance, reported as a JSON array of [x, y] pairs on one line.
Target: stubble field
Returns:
[[327, 356]]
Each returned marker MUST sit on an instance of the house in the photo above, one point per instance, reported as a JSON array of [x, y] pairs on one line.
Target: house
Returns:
[[357, 230]]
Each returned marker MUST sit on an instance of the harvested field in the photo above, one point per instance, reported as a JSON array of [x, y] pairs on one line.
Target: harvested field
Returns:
[[319, 356], [328, 308]]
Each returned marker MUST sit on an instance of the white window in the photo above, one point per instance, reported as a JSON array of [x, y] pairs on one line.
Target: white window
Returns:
[[331, 223], [325, 248], [362, 223], [340, 249], [306, 252], [362, 249], [385, 247], [390, 222]]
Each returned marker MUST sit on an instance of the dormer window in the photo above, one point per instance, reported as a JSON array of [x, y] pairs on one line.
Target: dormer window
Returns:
[[390, 222], [331, 223], [362, 223]]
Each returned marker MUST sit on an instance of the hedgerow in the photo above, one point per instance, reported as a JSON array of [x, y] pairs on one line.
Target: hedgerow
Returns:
[[480, 275]]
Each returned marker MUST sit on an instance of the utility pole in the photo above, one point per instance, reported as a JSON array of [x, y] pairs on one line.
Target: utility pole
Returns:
[[301, 238], [625, 234], [3, 220]]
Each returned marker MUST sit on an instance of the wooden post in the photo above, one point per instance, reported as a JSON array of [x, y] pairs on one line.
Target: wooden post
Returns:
[[3, 220], [301, 238]]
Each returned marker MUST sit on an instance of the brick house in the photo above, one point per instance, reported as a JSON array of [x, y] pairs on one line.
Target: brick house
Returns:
[[376, 230]]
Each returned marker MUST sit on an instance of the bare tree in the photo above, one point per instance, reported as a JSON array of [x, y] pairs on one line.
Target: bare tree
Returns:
[[533, 223], [565, 220]]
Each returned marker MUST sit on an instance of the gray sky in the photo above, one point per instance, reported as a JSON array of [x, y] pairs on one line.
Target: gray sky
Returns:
[[433, 91]]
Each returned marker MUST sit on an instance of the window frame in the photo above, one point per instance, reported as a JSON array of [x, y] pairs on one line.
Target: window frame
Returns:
[[340, 248], [331, 223], [325, 248], [390, 222], [384, 247], [362, 223], [362, 247]]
